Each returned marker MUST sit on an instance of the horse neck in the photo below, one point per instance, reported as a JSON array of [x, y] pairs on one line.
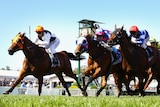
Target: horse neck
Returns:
[[93, 50], [127, 48], [29, 49]]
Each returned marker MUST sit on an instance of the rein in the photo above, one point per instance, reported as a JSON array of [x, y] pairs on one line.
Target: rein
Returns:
[[101, 50], [32, 51]]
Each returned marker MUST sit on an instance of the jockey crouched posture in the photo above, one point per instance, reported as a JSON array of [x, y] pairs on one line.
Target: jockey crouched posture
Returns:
[[49, 41], [140, 37], [103, 36]]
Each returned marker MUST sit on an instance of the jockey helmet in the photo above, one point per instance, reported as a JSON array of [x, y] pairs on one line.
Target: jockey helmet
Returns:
[[99, 32], [133, 29], [39, 29]]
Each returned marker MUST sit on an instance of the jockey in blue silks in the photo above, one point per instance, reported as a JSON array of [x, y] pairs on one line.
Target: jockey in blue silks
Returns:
[[103, 36], [140, 37]]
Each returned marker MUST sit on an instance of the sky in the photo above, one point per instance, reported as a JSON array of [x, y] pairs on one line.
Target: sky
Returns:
[[61, 17]]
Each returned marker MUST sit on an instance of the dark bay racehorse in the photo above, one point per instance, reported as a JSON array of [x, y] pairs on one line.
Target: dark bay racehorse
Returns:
[[100, 65], [155, 70], [37, 62], [96, 67], [135, 59]]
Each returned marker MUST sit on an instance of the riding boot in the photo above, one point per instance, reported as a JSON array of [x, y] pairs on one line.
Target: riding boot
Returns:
[[55, 60], [114, 55], [150, 53]]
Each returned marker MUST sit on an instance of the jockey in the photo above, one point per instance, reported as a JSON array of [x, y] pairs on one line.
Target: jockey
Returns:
[[103, 36], [140, 38], [49, 41], [82, 39]]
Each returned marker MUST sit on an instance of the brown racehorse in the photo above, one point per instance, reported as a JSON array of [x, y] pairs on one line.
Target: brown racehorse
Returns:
[[155, 70], [100, 64], [37, 62], [135, 59]]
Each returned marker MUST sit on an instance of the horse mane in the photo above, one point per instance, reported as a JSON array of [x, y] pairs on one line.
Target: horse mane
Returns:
[[39, 51], [123, 32], [29, 41], [96, 49], [129, 39], [130, 50]]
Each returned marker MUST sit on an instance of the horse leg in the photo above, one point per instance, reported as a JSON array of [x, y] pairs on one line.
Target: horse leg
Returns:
[[85, 87], [158, 86], [141, 87], [94, 76], [149, 79], [88, 73], [70, 74], [76, 79], [103, 84], [118, 82], [83, 79], [127, 80], [40, 80], [18, 80], [59, 75]]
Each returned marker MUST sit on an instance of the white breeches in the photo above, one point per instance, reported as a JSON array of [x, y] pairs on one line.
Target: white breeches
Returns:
[[53, 46], [144, 45]]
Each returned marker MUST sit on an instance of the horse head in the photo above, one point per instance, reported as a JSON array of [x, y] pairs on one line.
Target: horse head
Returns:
[[88, 44], [117, 35], [17, 43], [82, 46]]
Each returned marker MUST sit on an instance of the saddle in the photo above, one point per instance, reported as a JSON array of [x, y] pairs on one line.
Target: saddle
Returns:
[[54, 60], [115, 53]]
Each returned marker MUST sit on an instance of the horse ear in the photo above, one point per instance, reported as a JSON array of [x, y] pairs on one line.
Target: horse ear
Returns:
[[23, 34], [122, 27], [115, 27]]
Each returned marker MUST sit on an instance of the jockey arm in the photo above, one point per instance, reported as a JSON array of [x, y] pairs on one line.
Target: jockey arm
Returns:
[[44, 41], [140, 40]]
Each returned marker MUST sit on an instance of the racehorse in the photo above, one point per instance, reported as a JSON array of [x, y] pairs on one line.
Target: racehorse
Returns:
[[37, 62], [135, 59], [155, 71], [100, 64]]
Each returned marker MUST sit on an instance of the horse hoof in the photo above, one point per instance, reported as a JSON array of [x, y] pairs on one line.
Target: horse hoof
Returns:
[[6, 92], [97, 94], [84, 94], [69, 95], [118, 95], [141, 95]]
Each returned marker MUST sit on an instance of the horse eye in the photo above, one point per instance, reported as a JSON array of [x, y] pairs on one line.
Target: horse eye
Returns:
[[18, 41]]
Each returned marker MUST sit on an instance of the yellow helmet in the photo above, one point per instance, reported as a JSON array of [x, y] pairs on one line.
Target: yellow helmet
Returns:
[[39, 29]]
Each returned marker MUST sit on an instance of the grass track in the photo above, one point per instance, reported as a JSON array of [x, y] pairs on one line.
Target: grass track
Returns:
[[75, 101]]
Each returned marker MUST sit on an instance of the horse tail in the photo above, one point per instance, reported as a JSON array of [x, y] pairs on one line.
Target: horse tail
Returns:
[[70, 55]]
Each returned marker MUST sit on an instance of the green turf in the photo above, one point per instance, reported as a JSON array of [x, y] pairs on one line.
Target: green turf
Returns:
[[78, 101]]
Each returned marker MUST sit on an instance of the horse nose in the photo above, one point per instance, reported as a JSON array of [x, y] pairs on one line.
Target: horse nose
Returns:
[[10, 52], [77, 53]]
